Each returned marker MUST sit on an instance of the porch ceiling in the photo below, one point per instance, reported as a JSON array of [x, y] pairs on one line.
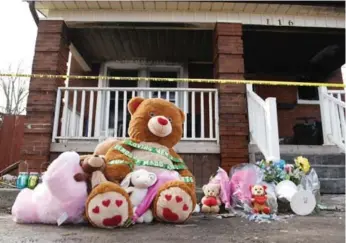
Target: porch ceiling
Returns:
[[97, 45], [291, 8], [292, 52]]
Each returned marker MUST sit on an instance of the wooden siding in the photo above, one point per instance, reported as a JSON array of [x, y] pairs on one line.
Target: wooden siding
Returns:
[[11, 138], [291, 8], [108, 44]]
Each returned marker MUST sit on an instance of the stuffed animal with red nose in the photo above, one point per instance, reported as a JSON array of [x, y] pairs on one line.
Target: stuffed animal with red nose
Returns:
[[156, 126], [259, 199]]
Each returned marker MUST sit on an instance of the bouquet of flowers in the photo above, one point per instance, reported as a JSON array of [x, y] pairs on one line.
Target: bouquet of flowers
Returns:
[[277, 171], [296, 171], [273, 171]]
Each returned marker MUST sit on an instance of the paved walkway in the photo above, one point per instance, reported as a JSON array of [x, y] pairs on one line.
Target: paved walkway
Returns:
[[328, 226]]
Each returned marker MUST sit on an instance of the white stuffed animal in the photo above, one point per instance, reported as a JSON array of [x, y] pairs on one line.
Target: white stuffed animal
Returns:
[[141, 180]]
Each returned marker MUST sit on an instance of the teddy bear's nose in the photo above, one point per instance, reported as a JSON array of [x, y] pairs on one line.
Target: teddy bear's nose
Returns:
[[162, 121]]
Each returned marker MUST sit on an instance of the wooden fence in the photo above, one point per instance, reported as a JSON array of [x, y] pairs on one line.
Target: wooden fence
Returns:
[[11, 138]]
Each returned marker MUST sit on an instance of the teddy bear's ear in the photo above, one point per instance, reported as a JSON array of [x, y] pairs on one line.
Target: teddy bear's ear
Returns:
[[204, 187], [182, 114], [264, 187], [134, 103], [250, 187]]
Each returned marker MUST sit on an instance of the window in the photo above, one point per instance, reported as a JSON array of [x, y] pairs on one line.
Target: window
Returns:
[[134, 69], [120, 84], [163, 84], [308, 95]]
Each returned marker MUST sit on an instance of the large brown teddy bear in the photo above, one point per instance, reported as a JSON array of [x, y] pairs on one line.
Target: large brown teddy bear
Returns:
[[155, 127]]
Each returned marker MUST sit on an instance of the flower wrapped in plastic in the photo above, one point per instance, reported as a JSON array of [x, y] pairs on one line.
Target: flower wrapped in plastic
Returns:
[[277, 171], [274, 171], [295, 172], [302, 164], [221, 178], [242, 177], [310, 182]]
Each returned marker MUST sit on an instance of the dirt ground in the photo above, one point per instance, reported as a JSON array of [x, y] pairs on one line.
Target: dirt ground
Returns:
[[326, 227]]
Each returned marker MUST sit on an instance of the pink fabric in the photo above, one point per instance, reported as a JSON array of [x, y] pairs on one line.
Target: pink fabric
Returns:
[[240, 182], [162, 178], [223, 180], [58, 193]]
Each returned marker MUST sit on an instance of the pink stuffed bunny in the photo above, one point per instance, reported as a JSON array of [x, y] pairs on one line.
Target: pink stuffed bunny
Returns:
[[60, 198]]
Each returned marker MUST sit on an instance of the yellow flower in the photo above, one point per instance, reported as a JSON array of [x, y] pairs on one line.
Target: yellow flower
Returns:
[[302, 163]]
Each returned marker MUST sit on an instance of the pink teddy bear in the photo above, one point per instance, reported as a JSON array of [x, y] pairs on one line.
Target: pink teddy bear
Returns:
[[60, 198]]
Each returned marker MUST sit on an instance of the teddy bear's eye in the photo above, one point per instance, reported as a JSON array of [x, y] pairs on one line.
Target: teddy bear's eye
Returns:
[[170, 119], [151, 114]]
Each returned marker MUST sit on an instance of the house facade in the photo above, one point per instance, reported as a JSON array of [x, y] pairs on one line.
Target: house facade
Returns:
[[183, 39]]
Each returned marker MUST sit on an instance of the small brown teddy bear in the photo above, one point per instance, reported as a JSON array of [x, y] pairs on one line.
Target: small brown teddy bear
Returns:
[[155, 128], [95, 162], [211, 201], [259, 199]]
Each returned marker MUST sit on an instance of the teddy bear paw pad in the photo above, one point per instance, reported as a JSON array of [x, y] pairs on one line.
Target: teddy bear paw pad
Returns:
[[108, 210], [174, 205]]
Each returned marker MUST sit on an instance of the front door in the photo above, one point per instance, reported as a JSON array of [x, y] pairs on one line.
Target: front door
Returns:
[[118, 114], [113, 117]]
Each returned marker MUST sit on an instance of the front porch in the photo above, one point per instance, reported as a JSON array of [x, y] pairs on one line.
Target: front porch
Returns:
[[85, 116], [295, 115], [89, 111], [76, 114], [216, 131]]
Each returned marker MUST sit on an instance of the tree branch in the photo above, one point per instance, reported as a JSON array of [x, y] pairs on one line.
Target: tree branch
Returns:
[[15, 92]]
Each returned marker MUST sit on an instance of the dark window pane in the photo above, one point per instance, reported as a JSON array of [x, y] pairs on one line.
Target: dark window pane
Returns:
[[120, 84], [122, 73], [308, 93], [163, 84]]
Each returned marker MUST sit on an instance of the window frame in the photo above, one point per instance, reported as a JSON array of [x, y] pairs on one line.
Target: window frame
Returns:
[[307, 102], [144, 69]]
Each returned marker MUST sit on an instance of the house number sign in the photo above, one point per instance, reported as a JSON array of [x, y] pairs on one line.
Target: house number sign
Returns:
[[280, 22]]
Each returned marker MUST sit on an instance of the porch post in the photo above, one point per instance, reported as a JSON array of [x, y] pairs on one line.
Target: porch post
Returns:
[[233, 121], [51, 56]]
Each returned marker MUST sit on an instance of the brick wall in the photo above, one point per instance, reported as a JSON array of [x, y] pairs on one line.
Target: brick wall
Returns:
[[51, 54], [287, 94], [233, 121]]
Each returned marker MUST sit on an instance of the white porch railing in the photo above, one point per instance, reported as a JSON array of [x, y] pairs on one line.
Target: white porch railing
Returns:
[[333, 112], [98, 113], [263, 124]]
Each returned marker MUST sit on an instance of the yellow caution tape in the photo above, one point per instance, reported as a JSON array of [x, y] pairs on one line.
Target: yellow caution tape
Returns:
[[192, 80]]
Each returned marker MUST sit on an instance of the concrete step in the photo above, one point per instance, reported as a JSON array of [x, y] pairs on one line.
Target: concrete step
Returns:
[[330, 168], [329, 171], [318, 159], [332, 185]]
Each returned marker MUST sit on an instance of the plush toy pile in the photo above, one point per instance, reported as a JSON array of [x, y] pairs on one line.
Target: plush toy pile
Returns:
[[142, 179], [122, 182], [256, 190]]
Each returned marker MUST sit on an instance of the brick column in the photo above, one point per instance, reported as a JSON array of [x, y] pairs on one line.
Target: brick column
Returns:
[[229, 64], [51, 55]]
